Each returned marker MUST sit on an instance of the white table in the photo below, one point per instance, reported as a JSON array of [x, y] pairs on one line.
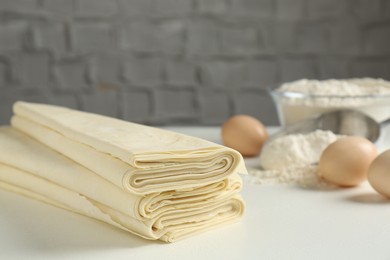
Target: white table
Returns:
[[281, 222]]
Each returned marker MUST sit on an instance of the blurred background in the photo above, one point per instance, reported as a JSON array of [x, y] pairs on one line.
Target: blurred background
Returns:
[[183, 62]]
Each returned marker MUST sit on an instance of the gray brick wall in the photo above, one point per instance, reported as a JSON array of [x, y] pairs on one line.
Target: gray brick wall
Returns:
[[183, 61]]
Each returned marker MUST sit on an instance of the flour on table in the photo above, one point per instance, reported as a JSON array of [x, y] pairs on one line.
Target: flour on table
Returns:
[[295, 150], [304, 176], [293, 159]]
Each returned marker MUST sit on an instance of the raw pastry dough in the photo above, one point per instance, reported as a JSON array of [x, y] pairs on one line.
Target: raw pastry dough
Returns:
[[137, 158], [34, 170], [151, 182]]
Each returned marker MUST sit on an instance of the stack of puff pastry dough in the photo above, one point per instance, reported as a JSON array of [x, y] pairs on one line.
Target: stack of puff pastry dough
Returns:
[[151, 182]]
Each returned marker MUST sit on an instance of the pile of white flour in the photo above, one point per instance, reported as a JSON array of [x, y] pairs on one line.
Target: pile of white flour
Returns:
[[293, 159]]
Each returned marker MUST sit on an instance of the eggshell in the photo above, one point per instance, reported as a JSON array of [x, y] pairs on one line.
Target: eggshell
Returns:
[[345, 162], [379, 174], [245, 134]]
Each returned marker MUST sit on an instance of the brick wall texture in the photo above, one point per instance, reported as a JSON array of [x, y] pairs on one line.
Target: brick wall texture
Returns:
[[183, 61]]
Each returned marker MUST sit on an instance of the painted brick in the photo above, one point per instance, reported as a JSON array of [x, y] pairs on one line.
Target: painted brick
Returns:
[[92, 37], [258, 8], [3, 74], [171, 37], [6, 108], [34, 96], [8, 98], [144, 71], [137, 105], [65, 100], [257, 104], [215, 106], [312, 38], [180, 73], [220, 53], [155, 8], [12, 36], [141, 36], [96, 8], [367, 10], [105, 69], [267, 38], [141, 8], [148, 37], [377, 40], [102, 102], [345, 38], [284, 37], [203, 39], [62, 7], [18, 5], [31, 70], [297, 68], [337, 68], [325, 9], [71, 75], [59, 99], [260, 73], [222, 74], [212, 6], [176, 104], [386, 9], [172, 7], [290, 10], [239, 41], [50, 37], [376, 68]]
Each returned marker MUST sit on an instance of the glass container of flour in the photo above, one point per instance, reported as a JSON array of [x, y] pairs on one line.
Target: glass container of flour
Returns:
[[303, 99]]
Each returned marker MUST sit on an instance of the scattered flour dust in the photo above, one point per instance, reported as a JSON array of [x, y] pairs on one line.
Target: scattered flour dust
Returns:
[[293, 159], [303, 176]]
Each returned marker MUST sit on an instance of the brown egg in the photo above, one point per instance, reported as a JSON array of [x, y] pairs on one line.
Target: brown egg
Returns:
[[245, 134], [379, 174], [345, 162]]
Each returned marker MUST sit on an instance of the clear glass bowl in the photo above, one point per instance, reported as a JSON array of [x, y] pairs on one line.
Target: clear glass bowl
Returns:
[[294, 106]]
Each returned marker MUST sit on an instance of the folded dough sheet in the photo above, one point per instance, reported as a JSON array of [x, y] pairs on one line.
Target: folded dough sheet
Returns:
[[136, 158], [34, 170]]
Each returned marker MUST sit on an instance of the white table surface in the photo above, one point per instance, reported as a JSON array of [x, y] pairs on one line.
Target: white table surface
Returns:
[[281, 222]]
